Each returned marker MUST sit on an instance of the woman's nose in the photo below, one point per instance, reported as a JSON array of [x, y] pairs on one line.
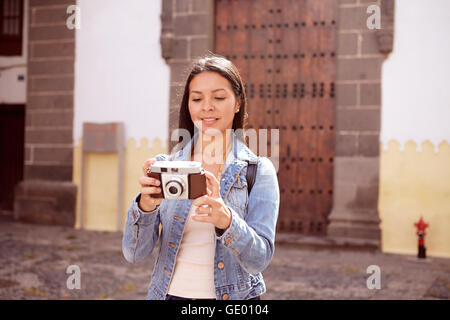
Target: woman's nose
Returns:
[[208, 105]]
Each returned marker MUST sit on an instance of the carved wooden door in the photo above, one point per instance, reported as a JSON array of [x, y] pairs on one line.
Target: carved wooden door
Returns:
[[285, 51]]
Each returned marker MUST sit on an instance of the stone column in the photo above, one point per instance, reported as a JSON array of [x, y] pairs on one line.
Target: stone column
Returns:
[[47, 193], [361, 51], [187, 32]]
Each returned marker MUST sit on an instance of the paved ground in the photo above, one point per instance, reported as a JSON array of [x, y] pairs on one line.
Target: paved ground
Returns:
[[34, 259]]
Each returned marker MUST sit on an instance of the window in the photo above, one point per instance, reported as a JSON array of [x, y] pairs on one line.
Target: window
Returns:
[[11, 25]]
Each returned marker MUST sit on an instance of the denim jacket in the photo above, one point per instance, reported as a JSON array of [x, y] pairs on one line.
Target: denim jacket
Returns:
[[242, 252]]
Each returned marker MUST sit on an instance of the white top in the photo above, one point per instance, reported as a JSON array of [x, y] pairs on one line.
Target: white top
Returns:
[[193, 276]]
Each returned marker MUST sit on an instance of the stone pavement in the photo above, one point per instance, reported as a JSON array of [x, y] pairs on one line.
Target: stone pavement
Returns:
[[34, 260]]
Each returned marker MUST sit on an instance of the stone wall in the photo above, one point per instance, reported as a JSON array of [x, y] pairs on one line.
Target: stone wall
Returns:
[[187, 32], [47, 193], [361, 52]]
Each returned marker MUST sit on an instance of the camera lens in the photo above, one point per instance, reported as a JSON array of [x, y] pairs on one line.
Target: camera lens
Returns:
[[174, 187], [173, 190]]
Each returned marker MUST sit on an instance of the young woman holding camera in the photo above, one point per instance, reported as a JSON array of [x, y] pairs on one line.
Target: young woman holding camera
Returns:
[[216, 246]]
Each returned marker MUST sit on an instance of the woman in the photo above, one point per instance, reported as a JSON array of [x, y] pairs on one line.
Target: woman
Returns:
[[215, 246]]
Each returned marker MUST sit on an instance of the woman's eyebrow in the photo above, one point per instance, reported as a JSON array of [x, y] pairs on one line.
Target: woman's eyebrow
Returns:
[[194, 91]]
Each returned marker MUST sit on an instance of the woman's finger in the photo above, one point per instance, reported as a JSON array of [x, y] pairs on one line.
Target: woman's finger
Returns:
[[204, 200], [150, 190], [147, 164], [212, 184], [147, 181], [203, 210]]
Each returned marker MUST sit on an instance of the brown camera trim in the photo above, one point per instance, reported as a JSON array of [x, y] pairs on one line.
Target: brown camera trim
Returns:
[[197, 185]]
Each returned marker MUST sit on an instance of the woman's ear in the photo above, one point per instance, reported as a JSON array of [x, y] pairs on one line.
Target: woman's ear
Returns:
[[238, 105]]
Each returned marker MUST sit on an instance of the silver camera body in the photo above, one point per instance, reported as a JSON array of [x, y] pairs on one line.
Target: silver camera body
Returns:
[[180, 180]]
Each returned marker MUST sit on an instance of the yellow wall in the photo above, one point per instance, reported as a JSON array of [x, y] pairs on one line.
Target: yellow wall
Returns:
[[413, 184], [101, 182]]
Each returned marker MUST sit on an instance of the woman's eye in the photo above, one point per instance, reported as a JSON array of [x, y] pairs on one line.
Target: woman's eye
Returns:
[[217, 98]]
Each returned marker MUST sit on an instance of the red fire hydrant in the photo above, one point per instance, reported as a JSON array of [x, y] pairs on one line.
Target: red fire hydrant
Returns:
[[421, 226]]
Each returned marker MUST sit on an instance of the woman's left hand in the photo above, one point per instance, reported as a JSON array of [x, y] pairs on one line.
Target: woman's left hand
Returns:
[[211, 206]]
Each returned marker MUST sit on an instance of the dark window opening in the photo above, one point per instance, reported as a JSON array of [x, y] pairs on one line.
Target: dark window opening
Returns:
[[11, 27], [12, 136]]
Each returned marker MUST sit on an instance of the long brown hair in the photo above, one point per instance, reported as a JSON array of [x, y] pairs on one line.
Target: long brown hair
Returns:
[[224, 67]]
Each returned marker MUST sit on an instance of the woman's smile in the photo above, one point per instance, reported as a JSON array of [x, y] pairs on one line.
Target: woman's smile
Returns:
[[209, 121]]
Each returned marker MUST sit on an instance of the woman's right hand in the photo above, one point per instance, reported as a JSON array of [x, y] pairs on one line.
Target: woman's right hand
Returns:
[[149, 186]]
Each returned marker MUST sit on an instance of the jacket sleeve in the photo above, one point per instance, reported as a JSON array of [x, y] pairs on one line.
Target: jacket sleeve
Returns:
[[141, 230], [252, 240]]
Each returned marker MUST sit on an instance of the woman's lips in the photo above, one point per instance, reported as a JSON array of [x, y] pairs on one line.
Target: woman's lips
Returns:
[[209, 121]]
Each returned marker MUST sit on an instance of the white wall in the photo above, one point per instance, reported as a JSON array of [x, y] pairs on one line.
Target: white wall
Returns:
[[415, 79], [119, 72], [13, 91]]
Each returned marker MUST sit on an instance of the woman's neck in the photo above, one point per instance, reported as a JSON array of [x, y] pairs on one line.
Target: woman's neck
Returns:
[[212, 150]]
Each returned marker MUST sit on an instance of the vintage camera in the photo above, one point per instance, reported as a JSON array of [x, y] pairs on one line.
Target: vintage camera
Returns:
[[180, 180]]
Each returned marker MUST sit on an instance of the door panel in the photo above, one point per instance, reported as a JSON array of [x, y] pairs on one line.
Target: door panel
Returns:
[[285, 51]]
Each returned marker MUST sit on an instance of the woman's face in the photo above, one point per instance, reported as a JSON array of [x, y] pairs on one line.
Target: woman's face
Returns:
[[212, 103]]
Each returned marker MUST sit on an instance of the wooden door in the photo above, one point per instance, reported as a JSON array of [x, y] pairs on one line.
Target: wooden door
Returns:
[[12, 128], [285, 51]]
